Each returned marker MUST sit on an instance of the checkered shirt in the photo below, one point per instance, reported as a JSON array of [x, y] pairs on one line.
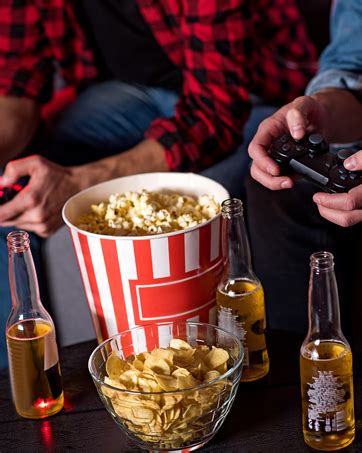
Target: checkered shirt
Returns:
[[226, 49]]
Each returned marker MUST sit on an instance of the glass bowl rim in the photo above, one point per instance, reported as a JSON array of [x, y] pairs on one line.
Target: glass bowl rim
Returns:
[[197, 387]]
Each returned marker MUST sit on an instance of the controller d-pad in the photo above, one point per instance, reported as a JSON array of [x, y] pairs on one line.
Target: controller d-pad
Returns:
[[353, 176]]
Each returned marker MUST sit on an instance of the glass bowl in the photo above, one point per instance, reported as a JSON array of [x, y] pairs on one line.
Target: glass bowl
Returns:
[[183, 419]]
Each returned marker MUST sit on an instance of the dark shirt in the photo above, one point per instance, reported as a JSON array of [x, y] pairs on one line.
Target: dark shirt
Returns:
[[125, 45]]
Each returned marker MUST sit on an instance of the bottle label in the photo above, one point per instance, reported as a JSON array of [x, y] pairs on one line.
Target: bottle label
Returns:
[[226, 320], [327, 407], [51, 357]]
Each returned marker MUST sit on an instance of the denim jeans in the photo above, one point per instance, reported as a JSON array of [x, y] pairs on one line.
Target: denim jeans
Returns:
[[106, 119]]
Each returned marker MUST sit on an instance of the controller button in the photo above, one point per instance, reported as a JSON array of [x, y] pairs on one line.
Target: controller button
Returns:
[[328, 164], [353, 176], [299, 148], [343, 154], [342, 171], [284, 139], [286, 147], [343, 177], [315, 140]]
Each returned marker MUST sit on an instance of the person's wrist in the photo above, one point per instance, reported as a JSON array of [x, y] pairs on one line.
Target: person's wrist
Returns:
[[82, 176], [323, 101]]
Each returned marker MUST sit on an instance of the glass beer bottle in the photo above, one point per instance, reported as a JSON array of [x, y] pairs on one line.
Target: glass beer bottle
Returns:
[[33, 355], [326, 364], [240, 296]]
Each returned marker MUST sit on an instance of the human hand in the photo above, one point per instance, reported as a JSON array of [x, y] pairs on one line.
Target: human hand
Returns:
[[304, 114], [344, 209], [38, 206]]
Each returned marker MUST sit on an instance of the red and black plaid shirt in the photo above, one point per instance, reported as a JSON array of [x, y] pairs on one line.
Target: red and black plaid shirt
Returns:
[[225, 48]]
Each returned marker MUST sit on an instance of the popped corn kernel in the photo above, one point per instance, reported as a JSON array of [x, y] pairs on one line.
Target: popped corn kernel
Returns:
[[144, 212]]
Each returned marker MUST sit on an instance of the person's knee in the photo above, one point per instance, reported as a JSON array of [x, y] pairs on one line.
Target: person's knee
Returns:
[[104, 113]]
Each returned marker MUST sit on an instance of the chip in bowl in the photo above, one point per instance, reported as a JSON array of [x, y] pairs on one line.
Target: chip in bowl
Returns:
[[171, 380]]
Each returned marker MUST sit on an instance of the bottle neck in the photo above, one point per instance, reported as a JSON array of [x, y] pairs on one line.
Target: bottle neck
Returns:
[[324, 316], [235, 241], [23, 280]]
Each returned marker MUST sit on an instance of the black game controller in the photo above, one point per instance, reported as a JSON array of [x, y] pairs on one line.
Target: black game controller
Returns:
[[7, 193], [311, 158]]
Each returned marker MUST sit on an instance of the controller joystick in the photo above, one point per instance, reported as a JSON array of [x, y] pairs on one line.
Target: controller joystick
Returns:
[[311, 158]]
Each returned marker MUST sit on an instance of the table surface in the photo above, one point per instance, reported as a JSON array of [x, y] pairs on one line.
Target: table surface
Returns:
[[265, 417]]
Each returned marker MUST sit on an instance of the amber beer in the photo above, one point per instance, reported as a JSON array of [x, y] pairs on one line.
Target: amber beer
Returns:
[[240, 295], [241, 310], [30, 336], [327, 395], [34, 369], [326, 372]]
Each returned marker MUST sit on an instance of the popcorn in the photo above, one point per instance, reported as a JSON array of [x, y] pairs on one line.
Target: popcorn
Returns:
[[146, 213]]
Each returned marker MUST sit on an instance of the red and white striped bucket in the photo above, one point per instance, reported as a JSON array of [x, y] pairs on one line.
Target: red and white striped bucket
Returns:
[[136, 280]]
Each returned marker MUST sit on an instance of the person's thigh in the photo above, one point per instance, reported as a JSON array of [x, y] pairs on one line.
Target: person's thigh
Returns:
[[285, 228], [113, 115], [5, 296], [232, 171]]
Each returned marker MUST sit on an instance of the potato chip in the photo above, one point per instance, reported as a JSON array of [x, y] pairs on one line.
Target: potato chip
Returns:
[[159, 366], [176, 343], [174, 406], [216, 358], [115, 366]]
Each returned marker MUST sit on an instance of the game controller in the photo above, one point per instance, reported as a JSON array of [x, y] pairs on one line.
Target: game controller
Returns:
[[7, 193], [311, 158]]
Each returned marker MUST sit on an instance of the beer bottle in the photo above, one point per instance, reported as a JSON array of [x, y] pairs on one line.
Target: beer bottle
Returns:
[[240, 296], [30, 335], [326, 364]]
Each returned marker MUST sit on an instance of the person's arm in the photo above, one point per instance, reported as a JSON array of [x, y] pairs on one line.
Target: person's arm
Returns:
[[26, 67], [335, 113], [333, 105], [148, 156], [19, 119], [38, 207]]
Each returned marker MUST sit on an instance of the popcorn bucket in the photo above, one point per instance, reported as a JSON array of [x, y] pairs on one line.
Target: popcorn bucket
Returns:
[[136, 280]]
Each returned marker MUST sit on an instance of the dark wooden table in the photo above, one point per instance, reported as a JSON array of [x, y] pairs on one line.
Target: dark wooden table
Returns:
[[265, 418]]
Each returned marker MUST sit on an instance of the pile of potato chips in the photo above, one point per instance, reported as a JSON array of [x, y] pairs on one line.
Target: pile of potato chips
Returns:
[[175, 406]]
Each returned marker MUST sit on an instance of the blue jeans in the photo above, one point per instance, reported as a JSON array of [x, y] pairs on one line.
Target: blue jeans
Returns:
[[104, 120]]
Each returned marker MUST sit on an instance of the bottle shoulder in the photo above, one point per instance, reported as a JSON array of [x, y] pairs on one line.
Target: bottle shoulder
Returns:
[[325, 349]]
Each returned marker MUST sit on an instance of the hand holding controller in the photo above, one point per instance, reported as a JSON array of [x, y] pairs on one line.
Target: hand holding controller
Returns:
[[311, 158], [7, 193]]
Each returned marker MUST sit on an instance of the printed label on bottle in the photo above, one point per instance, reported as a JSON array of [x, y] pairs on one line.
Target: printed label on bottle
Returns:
[[327, 407], [226, 320], [51, 357]]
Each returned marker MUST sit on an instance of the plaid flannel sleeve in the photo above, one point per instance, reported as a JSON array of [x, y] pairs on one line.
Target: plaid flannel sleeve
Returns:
[[214, 102], [25, 56]]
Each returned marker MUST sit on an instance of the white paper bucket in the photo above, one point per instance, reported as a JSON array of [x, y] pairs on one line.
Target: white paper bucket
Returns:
[[136, 280]]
